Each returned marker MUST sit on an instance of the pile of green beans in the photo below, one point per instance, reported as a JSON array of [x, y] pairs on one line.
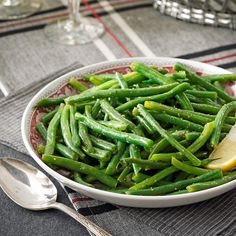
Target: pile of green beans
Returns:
[[147, 132]]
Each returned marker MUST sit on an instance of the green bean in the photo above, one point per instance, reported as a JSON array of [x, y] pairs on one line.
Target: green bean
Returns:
[[121, 136], [42, 130], [99, 154], [160, 79], [183, 191], [153, 179], [83, 133], [196, 117], [119, 93], [205, 108], [179, 185], [146, 163], [194, 147], [159, 97], [218, 85], [203, 94], [135, 154], [77, 85], [66, 152], [45, 119], [123, 84], [52, 131], [47, 102], [210, 184], [66, 131], [192, 170], [96, 109], [190, 136], [112, 112], [180, 75], [219, 120], [121, 126], [81, 168], [123, 174], [139, 177], [74, 127], [179, 122], [112, 166], [167, 136], [195, 79], [220, 78], [146, 125], [163, 143], [41, 149], [78, 179], [103, 144]]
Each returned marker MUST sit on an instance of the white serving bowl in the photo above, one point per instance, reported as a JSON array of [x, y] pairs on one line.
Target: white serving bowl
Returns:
[[120, 199]]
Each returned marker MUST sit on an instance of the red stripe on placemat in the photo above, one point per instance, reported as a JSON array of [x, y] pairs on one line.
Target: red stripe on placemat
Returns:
[[220, 58], [113, 36]]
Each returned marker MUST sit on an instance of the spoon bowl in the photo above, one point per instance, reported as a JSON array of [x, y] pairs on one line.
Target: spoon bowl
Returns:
[[30, 188], [26, 185]]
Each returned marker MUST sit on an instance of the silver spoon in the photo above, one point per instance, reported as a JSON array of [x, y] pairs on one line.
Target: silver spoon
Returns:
[[31, 189]]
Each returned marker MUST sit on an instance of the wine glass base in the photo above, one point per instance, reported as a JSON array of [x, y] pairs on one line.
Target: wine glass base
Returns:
[[66, 32], [21, 9]]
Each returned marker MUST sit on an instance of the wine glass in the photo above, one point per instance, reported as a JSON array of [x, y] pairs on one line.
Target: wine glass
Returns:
[[16, 9], [74, 30]]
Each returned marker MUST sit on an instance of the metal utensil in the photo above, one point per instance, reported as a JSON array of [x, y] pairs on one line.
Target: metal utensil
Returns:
[[31, 189]]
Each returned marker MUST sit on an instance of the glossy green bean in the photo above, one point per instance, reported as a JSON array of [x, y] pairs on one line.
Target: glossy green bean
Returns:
[[179, 185], [203, 94], [135, 154], [77, 85], [123, 84], [114, 114], [74, 127], [154, 179], [196, 117], [160, 79], [145, 125], [192, 170], [159, 97], [211, 184], [167, 136], [121, 136], [194, 147], [66, 133], [118, 93], [52, 131], [85, 138], [114, 124], [81, 168], [103, 144], [47, 102], [195, 79], [112, 165], [220, 78], [179, 122], [45, 119], [78, 179], [146, 163], [219, 120]]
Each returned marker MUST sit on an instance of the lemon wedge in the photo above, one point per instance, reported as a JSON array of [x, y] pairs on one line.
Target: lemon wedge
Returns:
[[225, 153]]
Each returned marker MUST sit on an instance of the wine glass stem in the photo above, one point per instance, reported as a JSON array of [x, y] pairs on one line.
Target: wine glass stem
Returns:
[[74, 15]]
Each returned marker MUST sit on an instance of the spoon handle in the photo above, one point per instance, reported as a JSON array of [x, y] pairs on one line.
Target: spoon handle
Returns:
[[98, 231]]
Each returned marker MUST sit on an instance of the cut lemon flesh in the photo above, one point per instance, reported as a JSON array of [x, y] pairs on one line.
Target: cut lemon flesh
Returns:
[[225, 153]]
